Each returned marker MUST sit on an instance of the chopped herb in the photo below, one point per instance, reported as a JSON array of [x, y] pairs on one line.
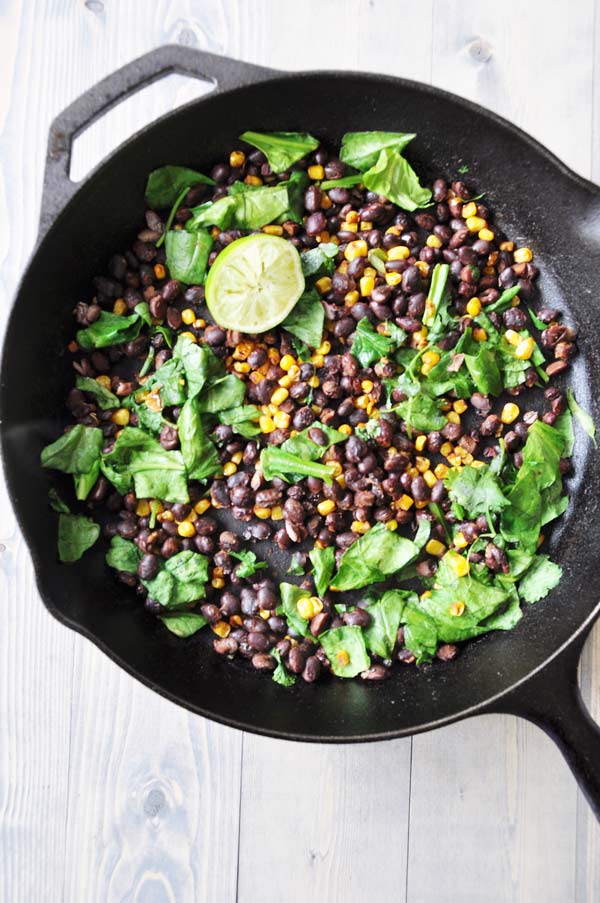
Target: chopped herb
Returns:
[[320, 260], [56, 503], [541, 577], [476, 490], [99, 393], [249, 563], [280, 674], [278, 463], [307, 319], [323, 562], [165, 184], [368, 345], [297, 564], [185, 624], [290, 596]]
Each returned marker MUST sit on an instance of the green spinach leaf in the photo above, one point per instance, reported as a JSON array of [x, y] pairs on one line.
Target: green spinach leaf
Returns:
[[282, 149], [199, 454], [373, 557], [345, 648], [320, 260], [105, 399], [184, 625], [539, 579], [182, 579], [476, 490], [277, 463], [323, 562], [110, 329], [290, 596], [249, 563], [156, 473], [585, 421], [76, 451], [394, 178], [187, 254], [201, 366], [386, 612], [307, 319], [123, 555], [76, 534], [420, 632], [368, 345], [165, 184], [227, 392], [362, 149]]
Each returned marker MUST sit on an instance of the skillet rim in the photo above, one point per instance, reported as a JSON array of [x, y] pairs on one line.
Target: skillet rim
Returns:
[[534, 146]]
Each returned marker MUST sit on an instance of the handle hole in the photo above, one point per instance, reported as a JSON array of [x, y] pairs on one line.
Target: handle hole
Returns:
[[129, 116]]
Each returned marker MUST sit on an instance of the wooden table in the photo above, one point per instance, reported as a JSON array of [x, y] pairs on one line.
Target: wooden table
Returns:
[[110, 793]]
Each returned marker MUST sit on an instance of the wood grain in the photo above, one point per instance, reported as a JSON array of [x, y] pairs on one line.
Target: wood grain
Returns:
[[109, 793]]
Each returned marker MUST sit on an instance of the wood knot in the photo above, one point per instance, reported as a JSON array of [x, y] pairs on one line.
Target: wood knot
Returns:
[[480, 50]]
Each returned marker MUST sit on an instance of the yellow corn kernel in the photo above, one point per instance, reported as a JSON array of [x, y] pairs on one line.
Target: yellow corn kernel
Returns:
[[540, 540], [362, 402], [202, 506], [393, 279], [405, 503], [335, 467], [367, 284], [474, 307], [422, 267], [350, 298], [343, 658], [525, 349], [316, 172], [453, 417], [510, 412], [358, 526], [237, 158], [120, 417], [446, 449], [241, 367], [277, 513], [186, 528], [274, 355], [399, 252], [422, 464], [263, 613], [391, 525], [266, 424], [431, 357], [317, 359], [242, 350], [507, 246], [309, 606], [188, 316], [420, 505], [326, 202], [441, 471], [103, 381], [323, 285], [279, 396], [190, 336], [326, 507], [425, 595], [286, 362], [412, 472], [286, 381], [355, 249], [486, 235], [459, 541], [281, 420], [229, 469], [523, 255], [469, 209], [273, 230], [314, 382], [460, 406], [237, 457], [142, 509], [468, 458], [430, 478], [349, 227], [236, 620], [366, 385], [445, 406], [477, 464], [475, 223], [479, 334], [435, 547], [420, 442], [159, 271], [352, 217], [366, 226], [262, 513], [512, 337], [119, 307], [200, 323], [456, 609], [166, 516], [345, 428], [341, 481], [324, 348], [221, 628], [459, 566], [433, 241]]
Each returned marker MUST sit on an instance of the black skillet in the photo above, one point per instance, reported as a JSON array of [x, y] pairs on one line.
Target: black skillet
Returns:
[[531, 671]]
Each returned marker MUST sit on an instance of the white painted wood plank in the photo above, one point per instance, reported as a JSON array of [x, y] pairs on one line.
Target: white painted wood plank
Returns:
[[323, 823], [498, 785]]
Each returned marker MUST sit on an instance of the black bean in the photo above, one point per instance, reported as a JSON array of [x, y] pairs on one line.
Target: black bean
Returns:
[[312, 669], [148, 567], [376, 672], [263, 662], [357, 618]]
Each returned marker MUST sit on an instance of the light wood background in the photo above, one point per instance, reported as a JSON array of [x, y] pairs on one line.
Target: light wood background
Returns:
[[109, 793]]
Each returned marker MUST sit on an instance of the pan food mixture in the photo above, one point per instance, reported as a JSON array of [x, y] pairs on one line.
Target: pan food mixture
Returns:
[[310, 353]]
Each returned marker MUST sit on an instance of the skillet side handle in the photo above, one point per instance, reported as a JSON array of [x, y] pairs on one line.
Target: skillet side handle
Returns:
[[224, 74], [552, 700]]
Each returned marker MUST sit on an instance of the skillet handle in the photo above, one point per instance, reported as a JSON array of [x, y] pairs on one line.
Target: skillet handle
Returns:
[[552, 700], [224, 73]]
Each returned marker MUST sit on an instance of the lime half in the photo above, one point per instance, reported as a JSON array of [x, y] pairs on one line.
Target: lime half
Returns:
[[254, 283]]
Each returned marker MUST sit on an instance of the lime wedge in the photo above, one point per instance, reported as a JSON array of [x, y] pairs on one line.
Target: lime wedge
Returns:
[[254, 283]]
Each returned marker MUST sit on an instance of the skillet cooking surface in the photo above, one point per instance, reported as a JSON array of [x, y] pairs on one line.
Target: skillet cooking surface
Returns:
[[536, 201]]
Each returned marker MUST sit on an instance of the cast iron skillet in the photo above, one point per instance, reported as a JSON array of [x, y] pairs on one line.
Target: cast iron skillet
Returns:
[[531, 671]]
